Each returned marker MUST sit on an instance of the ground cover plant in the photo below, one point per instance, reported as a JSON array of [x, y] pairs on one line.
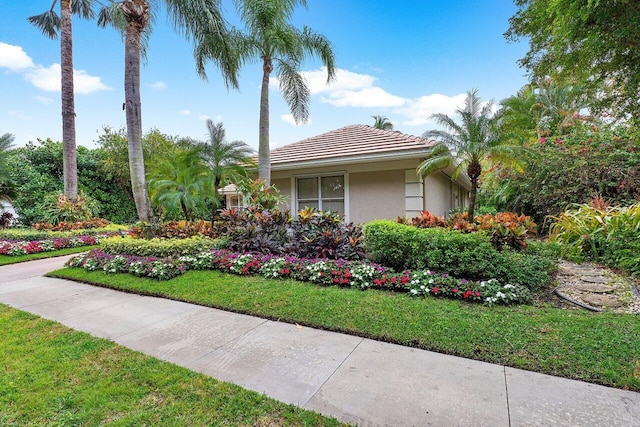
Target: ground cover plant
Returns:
[[320, 271], [52, 375], [573, 344], [15, 248]]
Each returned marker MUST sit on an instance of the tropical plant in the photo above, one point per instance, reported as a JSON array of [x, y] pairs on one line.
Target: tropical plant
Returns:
[[259, 195], [474, 140], [181, 183], [7, 190], [227, 161], [197, 19], [50, 23], [383, 123], [280, 47], [59, 208]]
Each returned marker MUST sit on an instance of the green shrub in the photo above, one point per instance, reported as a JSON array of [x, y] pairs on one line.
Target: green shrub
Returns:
[[33, 234], [160, 248], [468, 255]]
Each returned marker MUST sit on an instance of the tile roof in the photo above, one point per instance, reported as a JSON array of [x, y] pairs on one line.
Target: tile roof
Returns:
[[350, 143]]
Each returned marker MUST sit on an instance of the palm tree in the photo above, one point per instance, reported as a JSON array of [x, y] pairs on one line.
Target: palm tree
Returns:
[[227, 161], [7, 190], [280, 47], [197, 19], [180, 182], [475, 139], [50, 23], [382, 123]]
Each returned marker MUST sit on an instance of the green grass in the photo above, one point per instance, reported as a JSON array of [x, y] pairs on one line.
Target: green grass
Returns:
[[6, 259], [51, 375], [600, 348]]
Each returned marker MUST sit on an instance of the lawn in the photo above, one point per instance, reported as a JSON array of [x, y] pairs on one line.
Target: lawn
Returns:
[[599, 348], [8, 259], [52, 375]]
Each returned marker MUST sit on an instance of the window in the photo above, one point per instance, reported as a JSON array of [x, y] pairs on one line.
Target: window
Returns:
[[235, 201], [325, 193]]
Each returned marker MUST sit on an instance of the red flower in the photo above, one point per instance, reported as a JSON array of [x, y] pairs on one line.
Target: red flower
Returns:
[[435, 290], [477, 294], [454, 290]]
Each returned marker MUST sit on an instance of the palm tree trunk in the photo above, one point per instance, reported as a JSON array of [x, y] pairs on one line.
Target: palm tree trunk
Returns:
[[472, 198], [264, 157], [137, 15], [69, 156]]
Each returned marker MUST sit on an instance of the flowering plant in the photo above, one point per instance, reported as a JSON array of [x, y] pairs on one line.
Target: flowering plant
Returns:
[[21, 247]]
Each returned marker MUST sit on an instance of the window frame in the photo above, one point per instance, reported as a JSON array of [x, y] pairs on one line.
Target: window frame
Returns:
[[319, 176]]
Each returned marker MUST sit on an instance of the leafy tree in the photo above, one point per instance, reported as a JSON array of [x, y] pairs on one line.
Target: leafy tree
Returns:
[[542, 109], [475, 139], [282, 48], [593, 43], [227, 161], [50, 23], [181, 182], [197, 19], [7, 190], [382, 123]]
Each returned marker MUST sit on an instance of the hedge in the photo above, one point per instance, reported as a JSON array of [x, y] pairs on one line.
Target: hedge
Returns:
[[160, 248], [468, 255]]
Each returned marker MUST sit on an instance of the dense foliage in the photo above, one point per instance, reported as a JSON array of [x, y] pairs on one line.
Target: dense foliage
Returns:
[[595, 158], [160, 248], [36, 170], [469, 255], [591, 42], [599, 232], [506, 229]]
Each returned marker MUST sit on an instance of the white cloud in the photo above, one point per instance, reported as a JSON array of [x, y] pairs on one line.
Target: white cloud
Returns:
[[48, 79], [159, 85], [43, 100], [419, 110], [288, 118], [203, 117], [14, 58], [184, 112], [19, 115], [373, 97]]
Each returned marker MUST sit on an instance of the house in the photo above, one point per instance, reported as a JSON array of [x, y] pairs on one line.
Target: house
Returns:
[[363, 173]]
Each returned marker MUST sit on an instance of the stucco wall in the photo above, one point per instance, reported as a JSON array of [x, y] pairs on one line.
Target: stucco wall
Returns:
[[376, 195], [284, 185], [437, 193]]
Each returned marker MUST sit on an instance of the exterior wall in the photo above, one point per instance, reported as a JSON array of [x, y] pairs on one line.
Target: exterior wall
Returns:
[[376, 195], [382, 190]]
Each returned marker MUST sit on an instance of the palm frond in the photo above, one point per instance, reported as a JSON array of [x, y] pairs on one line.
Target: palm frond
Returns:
[[83, 8], [48, 23], [438, 157], [294, 90], [315, 44]]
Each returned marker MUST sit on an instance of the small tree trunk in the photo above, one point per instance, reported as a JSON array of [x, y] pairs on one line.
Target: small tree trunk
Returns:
[[472, 198], [137, 15], [69, 156], [264, 156]]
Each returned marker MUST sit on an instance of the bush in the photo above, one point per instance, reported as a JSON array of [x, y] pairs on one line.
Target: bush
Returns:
[[160, 248], [78, 225], [31, 234], [311, 234], [468, 255], [172, 229]]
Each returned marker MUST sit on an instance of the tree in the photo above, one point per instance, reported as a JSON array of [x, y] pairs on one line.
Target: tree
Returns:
[[7, 190], [592, 43], [282, 48], [180, 182], [382, 123], [50, 23], [474, 140], [227, 161], [197, 19]]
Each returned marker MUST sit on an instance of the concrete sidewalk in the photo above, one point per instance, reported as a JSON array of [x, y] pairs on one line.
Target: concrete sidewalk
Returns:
[[356, 380]]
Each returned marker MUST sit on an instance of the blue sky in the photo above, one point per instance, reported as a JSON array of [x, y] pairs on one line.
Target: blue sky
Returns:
[[405, 60]]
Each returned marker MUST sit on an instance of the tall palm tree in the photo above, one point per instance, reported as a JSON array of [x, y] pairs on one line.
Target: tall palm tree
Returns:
[[7, 190], [197, 19], [467, 144], [381, 122], [180, 182], [50, 23], [282, 48], [227, 161]]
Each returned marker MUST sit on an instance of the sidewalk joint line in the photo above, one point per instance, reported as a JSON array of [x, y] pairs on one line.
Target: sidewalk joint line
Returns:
[[332, 373], [506, 390]]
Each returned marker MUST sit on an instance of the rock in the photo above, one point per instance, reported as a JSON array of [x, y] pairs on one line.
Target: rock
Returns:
[[597, 300], [596, 288], [595, 279]]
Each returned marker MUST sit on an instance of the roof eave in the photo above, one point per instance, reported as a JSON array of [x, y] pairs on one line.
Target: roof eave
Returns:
[[336, 161]]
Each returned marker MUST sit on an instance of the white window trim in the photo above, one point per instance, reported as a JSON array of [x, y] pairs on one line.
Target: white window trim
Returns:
[[345, 176]]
